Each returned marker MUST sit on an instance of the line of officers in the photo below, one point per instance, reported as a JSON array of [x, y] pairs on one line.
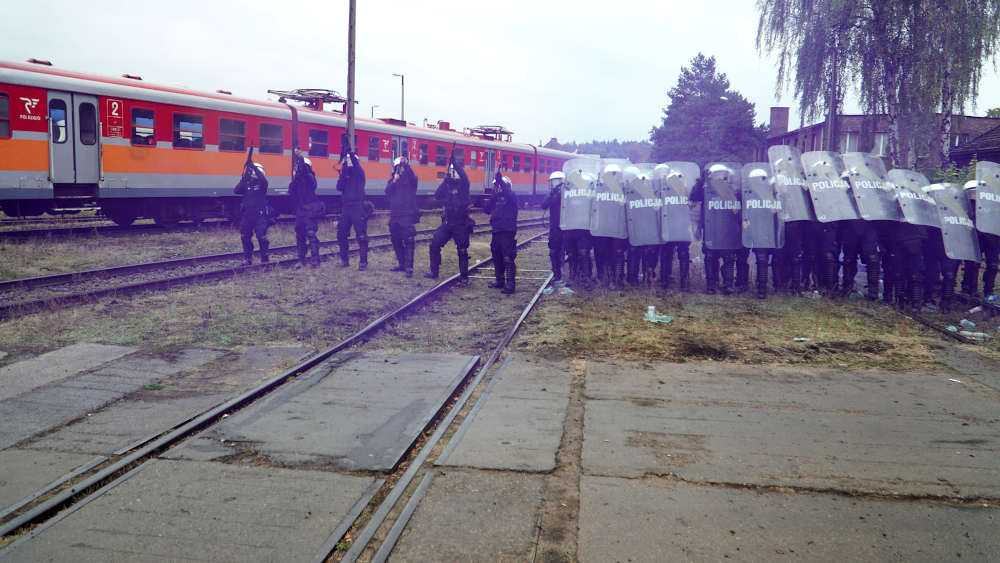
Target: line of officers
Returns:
[[806, 217], [401, 190]]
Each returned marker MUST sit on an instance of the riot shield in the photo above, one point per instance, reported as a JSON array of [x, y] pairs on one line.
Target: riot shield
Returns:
[[988, 197], [830, 191], [577, 201], [790, 183], [918, 207], [960, 239], [608, 217], [643, 212], [674, 182], [722, 209], [763, 219], [581, 165], [873, 192]]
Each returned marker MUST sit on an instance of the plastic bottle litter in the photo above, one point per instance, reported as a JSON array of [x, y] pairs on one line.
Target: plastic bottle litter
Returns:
[[696, 260], [967, 323], [929, 308], [975, 310], [811, 295], [974, 335], [548, 290], [558, 289], [953, 328], [652, 317], [990, 299], [800, 340], [857, 295], [558, 283], [566, 291]]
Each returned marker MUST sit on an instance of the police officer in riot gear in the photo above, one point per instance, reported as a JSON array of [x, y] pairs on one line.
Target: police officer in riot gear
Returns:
[[352, 185], [502, 207], [308, 209], [553, 203], [253, 188], [402, 192], [455, 221]]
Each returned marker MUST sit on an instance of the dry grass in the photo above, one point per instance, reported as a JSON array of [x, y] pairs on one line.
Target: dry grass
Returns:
[[743, 329]]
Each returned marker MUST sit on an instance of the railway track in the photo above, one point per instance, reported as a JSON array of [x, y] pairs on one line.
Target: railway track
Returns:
[[30, 295], [36, 515]]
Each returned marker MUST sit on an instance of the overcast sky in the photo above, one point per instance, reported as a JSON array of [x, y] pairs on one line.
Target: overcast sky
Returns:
[[595, 71]]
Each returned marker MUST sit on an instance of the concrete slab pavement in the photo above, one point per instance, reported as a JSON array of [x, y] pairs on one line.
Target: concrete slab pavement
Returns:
[[519, 421], [174, 511], [57, 365], [353, 412], [22, 472], [654, 520]]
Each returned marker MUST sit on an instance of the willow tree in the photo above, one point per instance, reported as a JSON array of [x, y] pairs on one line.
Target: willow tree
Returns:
[[908, 59]]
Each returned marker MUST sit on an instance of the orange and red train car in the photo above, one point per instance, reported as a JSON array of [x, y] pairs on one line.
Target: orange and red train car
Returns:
[[140, 150]]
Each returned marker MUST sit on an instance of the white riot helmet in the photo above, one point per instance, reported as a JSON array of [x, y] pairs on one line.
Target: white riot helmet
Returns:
[[758, 173], [507, 183], [971, 185], [307, 162], [259, 167], [613, 169], [556, 179], [396, 162]]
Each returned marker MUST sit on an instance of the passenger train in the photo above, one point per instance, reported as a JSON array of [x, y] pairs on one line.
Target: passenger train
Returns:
[[171, 154]]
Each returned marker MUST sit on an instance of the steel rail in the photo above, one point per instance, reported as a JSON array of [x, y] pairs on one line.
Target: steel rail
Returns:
[[86, 275], [368, 532], [22, 308], [102, 477]]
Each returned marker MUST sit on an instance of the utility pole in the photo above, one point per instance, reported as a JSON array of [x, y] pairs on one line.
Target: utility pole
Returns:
[[350, 75]]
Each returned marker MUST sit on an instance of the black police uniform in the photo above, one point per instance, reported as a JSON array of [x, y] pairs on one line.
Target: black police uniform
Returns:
[[402, 195], [254, 219], [302, 189], [352, 184], [553, 202], [454, 223], [502, 207]]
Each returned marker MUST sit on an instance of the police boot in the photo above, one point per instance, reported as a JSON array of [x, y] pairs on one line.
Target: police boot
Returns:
[[683, 267], [314, 250], [762, 276], [435, 266], [743, 274], [873, 278], [850, 274], [666, 270], [511, 275], [728, 274], [573, 274], [711, 275], [947, 292], [898, 291], [499, 272], [302, 258], [362, 254], [264, 245], [634, 260], [970, 279], [916, 292], [990, 280], [830, 268], [554, 259], [247, 258], [345, 247], [463, 269], [619, 272], [796, 274], [397, 247], [408, 249], [585, 272]]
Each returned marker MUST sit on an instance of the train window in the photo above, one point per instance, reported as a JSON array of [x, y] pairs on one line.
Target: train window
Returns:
[[4, 116], [319, 143], [527, 164], [57, 113], [548, 165], [441, 156], [143, 127], [517, 163], [372, 148], [88, 124], [504, 165], [460, 155], [232, 135], [473, 159], [188, 131], [423, 153], [343, 140], [272, 139]]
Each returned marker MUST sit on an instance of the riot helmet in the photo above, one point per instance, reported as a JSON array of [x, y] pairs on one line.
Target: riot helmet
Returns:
[[259, 167], [970, 189], [556, 179]]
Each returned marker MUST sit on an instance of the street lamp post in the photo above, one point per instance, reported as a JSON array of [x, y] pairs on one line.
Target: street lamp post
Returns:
[[373, 110], [402, 95]]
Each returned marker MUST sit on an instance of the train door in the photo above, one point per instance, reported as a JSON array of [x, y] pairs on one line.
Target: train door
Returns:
[[400, 147], [74, 130], [489, 170]]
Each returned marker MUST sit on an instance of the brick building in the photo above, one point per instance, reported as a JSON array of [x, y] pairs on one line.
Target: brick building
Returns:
[[853, 136]]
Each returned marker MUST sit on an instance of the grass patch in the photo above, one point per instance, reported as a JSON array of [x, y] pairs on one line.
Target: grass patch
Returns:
[[742, 329]]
